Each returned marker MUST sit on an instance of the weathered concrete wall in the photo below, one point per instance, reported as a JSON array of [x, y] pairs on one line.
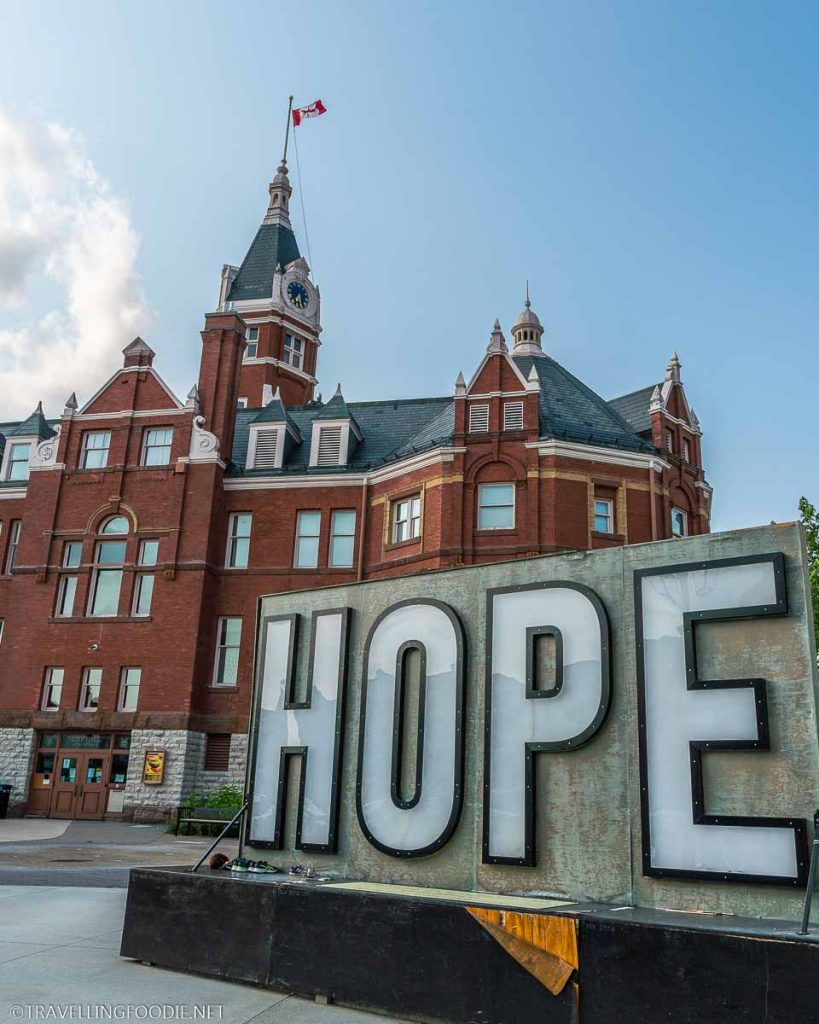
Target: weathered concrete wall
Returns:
[[588, 812]]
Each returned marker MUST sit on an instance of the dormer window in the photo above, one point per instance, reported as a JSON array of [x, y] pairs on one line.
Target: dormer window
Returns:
[[329, 446], [17, 467], [293, 351], [267, 450], [252, 346]]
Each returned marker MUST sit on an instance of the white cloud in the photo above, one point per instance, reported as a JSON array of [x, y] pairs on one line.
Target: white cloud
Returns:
[[65, 236]]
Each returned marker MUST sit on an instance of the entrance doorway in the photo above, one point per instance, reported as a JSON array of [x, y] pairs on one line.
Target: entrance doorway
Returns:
[[79, 775]]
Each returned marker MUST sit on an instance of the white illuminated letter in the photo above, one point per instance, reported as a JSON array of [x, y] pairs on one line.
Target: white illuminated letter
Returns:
[[682, 715], [407, 828], [522, 720], [312, 729]]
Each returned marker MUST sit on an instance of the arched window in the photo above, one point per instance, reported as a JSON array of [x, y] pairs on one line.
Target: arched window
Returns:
[[109, 558], [116, 524]]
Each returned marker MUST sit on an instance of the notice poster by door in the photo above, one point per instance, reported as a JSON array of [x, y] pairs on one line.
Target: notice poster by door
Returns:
[[153, 771]]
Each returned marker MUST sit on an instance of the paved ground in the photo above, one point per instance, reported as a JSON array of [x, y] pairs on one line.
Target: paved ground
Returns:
[[59, 948], [90, 853]]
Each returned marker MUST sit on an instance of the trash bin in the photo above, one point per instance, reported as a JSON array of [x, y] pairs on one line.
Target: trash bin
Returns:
[[5, 793]]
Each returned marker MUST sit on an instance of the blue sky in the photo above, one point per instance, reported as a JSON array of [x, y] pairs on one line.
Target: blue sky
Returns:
[[650, 167]]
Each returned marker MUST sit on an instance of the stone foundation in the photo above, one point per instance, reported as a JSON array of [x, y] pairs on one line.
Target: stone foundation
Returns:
[[184, 771], [16, 763]]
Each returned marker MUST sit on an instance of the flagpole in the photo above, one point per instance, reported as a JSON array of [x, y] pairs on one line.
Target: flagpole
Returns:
[[287, 130]]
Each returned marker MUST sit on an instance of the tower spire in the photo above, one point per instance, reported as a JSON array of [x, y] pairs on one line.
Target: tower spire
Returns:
[[527, 331]]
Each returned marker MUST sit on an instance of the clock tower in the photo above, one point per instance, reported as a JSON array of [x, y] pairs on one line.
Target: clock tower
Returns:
[[272, 292]]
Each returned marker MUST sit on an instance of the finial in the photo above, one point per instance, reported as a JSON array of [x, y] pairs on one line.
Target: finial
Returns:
[[656, 402], [533, 381], [193, 398], [39, 408], [672, 371], [497, 342], [460, 386], [71, 404], [277, 397], [527, 303], [337, 393]]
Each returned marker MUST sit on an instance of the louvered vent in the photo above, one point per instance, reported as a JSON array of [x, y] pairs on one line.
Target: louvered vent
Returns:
[[217, 752], [267, 442], [513, 416], [478, 419], [329, 447]]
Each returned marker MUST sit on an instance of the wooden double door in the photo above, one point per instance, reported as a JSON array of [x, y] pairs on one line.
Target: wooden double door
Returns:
[[80, 789]]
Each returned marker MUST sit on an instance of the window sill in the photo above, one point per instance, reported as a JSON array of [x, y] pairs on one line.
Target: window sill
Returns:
[[401, 543], [606, 535], [216, 688], [100, 618], [497, 530]]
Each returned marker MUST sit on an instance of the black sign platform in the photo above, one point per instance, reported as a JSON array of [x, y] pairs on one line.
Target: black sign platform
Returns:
[[431, 960]]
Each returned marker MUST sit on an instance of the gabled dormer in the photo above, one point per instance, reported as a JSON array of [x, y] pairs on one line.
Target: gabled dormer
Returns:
[[273, 435], [335, 433], [21, 443]]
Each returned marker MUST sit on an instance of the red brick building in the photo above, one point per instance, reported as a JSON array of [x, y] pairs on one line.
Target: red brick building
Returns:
[[138, 530]]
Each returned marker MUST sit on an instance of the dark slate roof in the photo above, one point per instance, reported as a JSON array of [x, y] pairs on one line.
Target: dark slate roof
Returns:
[[634, 408], [571, 411], [35, 426], [337, 409], [273, 245], [390, 430], [276, 412]]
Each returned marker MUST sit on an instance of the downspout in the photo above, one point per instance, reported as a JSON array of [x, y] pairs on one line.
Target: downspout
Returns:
[[653, 502], [363, 539]]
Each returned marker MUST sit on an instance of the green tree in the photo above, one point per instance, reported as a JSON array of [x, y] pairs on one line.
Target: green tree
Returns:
[[810, 520]]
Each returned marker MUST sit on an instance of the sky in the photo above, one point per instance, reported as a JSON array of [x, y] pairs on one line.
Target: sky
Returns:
[[649, 167]]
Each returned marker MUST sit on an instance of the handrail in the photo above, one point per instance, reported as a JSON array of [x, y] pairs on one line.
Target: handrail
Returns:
[[221, 836], [811, 877]]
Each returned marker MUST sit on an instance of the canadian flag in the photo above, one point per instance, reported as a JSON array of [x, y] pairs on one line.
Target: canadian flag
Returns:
[[312, 111]]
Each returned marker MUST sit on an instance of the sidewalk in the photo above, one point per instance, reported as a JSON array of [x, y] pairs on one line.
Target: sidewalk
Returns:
[[59, 947], [90, 853]]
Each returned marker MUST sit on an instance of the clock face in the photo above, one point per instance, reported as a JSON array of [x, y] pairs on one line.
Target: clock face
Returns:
[[298, 295]]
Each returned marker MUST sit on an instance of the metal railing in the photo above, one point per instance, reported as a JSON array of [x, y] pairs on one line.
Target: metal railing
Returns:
[[239, 814]]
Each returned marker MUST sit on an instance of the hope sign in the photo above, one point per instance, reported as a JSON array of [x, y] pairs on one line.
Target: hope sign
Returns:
[[420, 645]]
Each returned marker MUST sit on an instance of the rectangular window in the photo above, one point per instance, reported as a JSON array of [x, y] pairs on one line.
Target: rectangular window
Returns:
[[406, 519], [52, 689], [293, 350], [679, 522], [72, 554], [90, 692], [156, 446], [217, 752], [148, 552], [18, 461], [513, 415], [238, 549], [228, 639], [14, 540], [669, 440], [308, 529], [95, 445], [66, 592], [342, 539], [686, 450], [329, 446], [267, 443], [129, 689], [143, 594], [496, 507], [478, 419], [252, 346], [604, 515], [107, 582]]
